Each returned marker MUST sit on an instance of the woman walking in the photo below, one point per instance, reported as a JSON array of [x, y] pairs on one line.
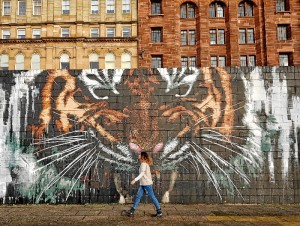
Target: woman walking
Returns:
[[146, 182]]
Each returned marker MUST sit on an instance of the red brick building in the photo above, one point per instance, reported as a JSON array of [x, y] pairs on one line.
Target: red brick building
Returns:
[[218, 33]]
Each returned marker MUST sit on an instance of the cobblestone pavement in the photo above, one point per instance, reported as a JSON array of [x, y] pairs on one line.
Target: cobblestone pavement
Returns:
[[174, 214]]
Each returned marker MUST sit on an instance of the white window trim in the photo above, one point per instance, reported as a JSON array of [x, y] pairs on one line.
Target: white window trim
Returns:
[[3, 14], [113, 5], [19, 8], [94, 28], [33, 5], [61, 31], [126, 5], [95, 5]]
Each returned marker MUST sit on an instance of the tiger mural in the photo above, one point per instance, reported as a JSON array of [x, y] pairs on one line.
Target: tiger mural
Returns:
[[112, 115]]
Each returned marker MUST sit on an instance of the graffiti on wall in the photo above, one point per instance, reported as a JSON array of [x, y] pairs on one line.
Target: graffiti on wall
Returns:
[[66, 133]]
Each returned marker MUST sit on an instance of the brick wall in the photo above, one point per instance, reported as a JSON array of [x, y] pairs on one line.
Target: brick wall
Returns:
[[215, 134], [266, 47]]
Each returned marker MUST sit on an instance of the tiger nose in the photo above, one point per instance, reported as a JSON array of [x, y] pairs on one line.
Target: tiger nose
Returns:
[[137, 149]]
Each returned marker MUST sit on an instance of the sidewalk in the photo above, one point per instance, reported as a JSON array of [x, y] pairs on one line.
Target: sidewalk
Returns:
[[174, 214]]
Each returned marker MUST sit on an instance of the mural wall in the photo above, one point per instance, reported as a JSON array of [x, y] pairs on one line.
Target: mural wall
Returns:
[[215, 134]]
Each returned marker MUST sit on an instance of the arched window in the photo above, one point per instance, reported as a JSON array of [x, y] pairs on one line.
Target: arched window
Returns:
[[245, 9], [19, 62], [35, 62], [216, 9], [64, 61], [188, 10], [126, 60], [4, 62], [109, 61], [94, 61]]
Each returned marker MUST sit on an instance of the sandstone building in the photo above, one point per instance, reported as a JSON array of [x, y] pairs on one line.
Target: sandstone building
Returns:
[[55, 34], [183, 33]]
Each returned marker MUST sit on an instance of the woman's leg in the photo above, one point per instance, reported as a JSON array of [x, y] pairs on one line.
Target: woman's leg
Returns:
[[150, 192], [138, 197]]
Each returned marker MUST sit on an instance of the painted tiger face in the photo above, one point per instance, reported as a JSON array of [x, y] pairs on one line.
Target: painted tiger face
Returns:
[[181, 116]]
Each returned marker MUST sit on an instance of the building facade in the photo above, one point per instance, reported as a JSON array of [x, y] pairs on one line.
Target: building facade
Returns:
[[56, 34], [203, 33]]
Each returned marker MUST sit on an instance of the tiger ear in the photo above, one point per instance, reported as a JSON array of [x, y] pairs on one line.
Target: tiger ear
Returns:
[[134, 147], [158, 147]]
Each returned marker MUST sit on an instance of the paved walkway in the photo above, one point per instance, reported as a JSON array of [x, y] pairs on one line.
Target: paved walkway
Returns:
[[110, 214]]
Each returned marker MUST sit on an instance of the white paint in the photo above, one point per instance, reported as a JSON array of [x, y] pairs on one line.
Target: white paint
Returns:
[[10, 156]]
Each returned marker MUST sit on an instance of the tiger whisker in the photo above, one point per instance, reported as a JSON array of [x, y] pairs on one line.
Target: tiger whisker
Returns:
[[115, 155], [58, 145], [223, 146], [208, 171], [62, 173], [206, 117], [55, 160], [82, 171], [217, 164]]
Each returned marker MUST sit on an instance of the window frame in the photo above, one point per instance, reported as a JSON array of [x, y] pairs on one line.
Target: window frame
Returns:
[[65, 7], [216, 32], [111, 29], [129, 32], [21, 36], [109, 5], [19, 8], [247, 7], [282, 6], [185, 7], [156, 34], [93, 12], [40, 33], [3, 31], [126, 4], [217, 57], [94, 34], [62, 35], [159, 62], [214, 9], [289, 58], [155, 10], [34, 7], [4, 8], [247, 32], [31, 62], [288, 33]]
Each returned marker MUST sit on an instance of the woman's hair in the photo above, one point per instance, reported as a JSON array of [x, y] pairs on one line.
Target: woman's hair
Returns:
[[146, 158]]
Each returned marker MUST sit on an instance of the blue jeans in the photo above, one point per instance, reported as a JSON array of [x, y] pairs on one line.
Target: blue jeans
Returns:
[[149, 191]]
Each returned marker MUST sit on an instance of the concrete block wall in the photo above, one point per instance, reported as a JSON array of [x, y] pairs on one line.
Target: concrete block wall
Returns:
[[215, 134]]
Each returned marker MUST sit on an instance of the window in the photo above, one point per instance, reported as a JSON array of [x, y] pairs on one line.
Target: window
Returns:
[[125, 60], [156, 61], [126, 32], [94, 6], [187, 10], [283, 32], [19, 62], [156, 34], [35, 62], [193, 61], [65, 32], [110, 61], [246, 36], [285, 59], [21, 33], [188, 61], [188, 37], [110, 32], [36, 33], [245, 9], [21, 7], [217, 36], [156, 7], [5, 34], [125, 6], [216, 9], [94, 61], [65, 7], [94, 32], [184, 62], [110, 6], [247, 61], [64, 61], [6, 8], [37, 7], [282, 5], [217, 61], [4, 62]]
